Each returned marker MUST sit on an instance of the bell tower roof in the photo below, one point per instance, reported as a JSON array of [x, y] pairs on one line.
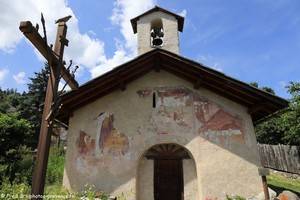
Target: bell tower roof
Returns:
[[179, 18]]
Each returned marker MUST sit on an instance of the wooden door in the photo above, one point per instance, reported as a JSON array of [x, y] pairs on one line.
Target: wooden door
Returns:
[[168, 179]]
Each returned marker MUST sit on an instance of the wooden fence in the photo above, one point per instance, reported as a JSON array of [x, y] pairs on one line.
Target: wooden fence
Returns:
[[280, 157]]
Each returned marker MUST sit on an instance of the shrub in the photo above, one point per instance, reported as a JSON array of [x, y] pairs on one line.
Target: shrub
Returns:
[[55, 169], [14, 132], [236, 197], [20, 169], [13, 190], [89, 192]]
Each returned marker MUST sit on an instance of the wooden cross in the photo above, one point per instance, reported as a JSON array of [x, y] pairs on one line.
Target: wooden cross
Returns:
[[57, 70]]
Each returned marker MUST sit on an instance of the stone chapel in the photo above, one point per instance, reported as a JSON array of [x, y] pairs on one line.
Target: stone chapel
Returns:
[[164, 127]]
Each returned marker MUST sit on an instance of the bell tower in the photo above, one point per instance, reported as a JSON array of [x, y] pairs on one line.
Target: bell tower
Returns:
[[157, 28]]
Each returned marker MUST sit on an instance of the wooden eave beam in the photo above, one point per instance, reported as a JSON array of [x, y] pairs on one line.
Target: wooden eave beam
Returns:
[[157, 63], [38, 41], [100, 81], [198, 83], [107, 79], [107, 86], [255, 108], [212, 87], [104, 91], [228, 85], [220, 84], [221, 76], [223, 86]]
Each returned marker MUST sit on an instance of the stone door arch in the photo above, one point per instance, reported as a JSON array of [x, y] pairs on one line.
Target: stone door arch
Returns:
[[163, 174]]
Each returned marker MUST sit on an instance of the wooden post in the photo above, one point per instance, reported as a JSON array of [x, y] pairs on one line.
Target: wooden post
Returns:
[[263, 172], [265, 186], [56, 68], [38, 181]]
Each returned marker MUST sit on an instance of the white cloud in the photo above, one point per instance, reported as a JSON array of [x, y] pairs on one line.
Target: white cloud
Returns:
[[210, 61], [84, 48], [3, 73], [123, 11], [61, 84], [20, 77], [14, 11], [283, 84], [183, 13], [118, 58], [217, 67]]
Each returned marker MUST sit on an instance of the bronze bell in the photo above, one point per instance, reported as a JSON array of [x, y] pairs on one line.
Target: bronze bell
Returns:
[[157, 41], [157, 34]]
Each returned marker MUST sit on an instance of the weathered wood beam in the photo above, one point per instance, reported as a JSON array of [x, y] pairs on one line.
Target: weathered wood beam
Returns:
[[55, 64], [37, 40], [211, 86], [157, 63], [108, 79], [122, 83], [110, 85], [198, 83], [243, 86], [257, 107], [224, 86]]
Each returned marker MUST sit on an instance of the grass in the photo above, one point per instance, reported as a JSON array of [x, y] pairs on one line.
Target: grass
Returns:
[[279, 183], [56, 189]]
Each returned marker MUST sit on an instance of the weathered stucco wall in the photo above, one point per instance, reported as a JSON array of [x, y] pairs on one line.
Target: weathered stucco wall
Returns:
[[145, 179], [190, 180], [107, 140]]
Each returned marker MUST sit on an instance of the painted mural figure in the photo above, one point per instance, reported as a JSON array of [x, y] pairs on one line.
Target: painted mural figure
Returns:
[[85, 143], [101, 135], [108, 139]]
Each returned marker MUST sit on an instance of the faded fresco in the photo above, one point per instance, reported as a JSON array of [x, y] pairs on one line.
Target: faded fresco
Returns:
[[181, 111], [109, 143], [108, 139], [177, 111]]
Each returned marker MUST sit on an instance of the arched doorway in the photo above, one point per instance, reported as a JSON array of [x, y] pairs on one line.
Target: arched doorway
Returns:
[[168, 180]]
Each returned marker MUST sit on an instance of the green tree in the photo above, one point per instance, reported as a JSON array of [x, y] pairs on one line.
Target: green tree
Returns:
[[266, 89], [31, 105], [254, 84], [14, 132], [10, 100], [291, 118], [270, 131], [19, 127], [283, 127]]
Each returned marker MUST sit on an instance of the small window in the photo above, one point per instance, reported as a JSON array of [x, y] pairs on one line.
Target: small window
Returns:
[[154, 100]]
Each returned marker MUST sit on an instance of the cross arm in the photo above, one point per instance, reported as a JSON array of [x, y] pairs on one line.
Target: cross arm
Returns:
[[37, 40]]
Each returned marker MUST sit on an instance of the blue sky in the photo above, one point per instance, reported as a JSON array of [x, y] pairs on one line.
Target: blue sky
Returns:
[[257, 40]]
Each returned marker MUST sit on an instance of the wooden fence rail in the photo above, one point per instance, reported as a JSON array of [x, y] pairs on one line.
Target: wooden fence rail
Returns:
[[280, 157]]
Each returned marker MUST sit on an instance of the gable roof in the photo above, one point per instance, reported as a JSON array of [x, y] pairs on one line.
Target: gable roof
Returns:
[[179, 18], [259, 102]]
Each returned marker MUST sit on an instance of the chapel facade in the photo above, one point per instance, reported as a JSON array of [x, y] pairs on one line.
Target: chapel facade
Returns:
[[163, 127]]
